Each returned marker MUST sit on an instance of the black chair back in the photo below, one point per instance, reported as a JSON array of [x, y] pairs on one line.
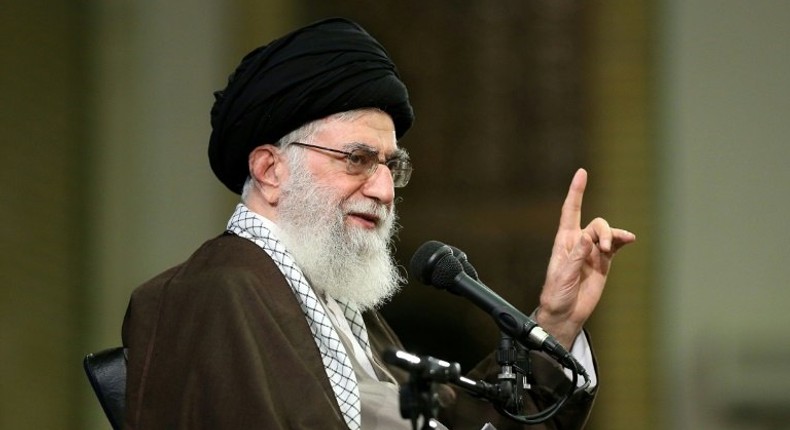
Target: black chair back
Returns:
[[106, 372]]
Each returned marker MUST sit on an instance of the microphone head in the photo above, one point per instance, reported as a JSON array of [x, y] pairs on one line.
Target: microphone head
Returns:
[[468, 268], [444, 273], [428, 257]]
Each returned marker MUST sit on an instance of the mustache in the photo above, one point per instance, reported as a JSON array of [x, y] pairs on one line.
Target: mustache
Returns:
[[384, 213]]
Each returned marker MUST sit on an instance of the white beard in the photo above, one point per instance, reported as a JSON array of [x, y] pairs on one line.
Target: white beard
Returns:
[[339, 260]]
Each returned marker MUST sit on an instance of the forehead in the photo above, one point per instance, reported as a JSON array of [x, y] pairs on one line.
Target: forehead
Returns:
[[372, 128]]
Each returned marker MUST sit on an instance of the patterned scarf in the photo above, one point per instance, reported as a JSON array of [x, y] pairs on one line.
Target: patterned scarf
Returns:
[[339, 370]]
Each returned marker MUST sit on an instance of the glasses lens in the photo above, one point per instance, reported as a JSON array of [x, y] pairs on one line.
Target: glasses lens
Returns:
[[361, 161], [401, 172]]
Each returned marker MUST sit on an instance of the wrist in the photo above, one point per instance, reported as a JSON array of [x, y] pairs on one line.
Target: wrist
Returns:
[[558, 325]]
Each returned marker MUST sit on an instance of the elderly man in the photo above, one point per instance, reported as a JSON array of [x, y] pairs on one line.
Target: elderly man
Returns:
[[273, 324]]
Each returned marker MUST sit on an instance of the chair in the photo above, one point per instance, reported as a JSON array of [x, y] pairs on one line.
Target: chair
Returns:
[[106, 372]]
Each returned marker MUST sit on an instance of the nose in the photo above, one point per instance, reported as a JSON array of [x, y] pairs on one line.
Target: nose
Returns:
[[380, 186]]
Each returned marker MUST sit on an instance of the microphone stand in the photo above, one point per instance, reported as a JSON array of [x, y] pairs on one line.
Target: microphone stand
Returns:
[[418, 398], [508, 393], [513, 376]]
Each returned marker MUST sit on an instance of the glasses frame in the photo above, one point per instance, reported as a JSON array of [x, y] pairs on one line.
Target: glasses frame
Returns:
[[399, 166]]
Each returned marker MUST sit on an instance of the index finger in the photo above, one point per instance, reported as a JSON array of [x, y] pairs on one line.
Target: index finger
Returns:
[[571, 215]]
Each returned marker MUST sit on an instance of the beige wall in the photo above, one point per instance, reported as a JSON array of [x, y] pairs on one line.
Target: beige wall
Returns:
[[724, 113], [41, 245], [622, 184]]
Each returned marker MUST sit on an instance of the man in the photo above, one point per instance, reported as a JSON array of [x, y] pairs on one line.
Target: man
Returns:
[[274, 324]]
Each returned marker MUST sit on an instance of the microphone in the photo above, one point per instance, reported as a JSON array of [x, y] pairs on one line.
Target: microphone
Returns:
[[468, 268], [437, 370], [435, 263], [427, 367]]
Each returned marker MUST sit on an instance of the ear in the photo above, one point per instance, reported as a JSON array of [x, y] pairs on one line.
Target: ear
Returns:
[[268, 170]]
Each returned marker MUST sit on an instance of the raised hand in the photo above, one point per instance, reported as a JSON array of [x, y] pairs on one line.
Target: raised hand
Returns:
[[579, 264]]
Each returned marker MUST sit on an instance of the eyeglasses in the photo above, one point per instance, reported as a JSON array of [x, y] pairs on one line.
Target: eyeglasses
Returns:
[[363, 160]]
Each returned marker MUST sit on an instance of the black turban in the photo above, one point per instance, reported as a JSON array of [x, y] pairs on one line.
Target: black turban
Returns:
[[328, 67]]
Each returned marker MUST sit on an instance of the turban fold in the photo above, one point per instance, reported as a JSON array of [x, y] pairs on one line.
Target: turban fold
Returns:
[[328, 67]]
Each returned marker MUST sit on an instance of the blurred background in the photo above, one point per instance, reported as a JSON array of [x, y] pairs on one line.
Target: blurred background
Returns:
[[677, 109]]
